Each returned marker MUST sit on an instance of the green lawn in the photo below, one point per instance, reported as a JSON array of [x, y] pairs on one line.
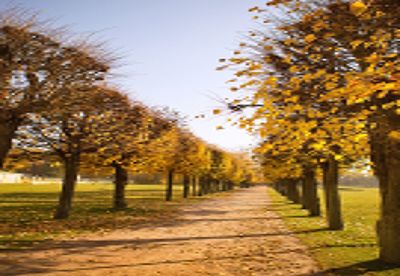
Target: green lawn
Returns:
[[26, 210], [352, 251]]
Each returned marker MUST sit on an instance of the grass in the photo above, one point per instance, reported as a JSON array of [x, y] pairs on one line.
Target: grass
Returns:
[[26, 210], [354, 250]]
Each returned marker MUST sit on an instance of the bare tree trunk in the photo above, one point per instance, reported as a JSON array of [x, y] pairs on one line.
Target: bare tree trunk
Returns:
[[385, 150], [195, 180], [292, 191], [331, 191], [212, 187], [224, 186], [215, 185], [121, 180], [325, 167], [282, 188], [200, 191], [186, 186], [71, 168], [7, 133], [303, 194], [170, 183], [206, 185], [311, 193]]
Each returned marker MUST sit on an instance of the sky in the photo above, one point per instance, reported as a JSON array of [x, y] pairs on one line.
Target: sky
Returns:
[[169, 50]]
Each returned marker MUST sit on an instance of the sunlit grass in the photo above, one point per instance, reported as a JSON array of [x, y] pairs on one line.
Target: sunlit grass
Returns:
[[26, 210], [354, 250]]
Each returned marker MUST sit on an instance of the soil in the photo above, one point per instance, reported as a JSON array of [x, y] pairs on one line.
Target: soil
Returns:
[[235, 234]]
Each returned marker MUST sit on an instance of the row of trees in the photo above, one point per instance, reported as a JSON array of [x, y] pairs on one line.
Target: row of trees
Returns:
[[323, 78], [56, 104]]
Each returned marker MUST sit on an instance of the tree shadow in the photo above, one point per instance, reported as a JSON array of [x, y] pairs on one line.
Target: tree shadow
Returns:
[[226, 219], [351, 189], [50, 266], [84, 244], [351, 245], [311, 231], [296, 216], [361, 268]]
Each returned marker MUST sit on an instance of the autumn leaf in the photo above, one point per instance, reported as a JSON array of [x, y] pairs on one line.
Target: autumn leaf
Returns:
[[310, 38], [216, 111], [358, 8]]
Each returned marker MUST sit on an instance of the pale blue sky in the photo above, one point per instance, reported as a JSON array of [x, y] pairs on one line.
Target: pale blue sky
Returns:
[[170, 50]]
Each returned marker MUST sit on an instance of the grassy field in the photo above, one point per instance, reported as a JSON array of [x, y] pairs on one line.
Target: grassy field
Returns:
[[350, 252], [26, 210]]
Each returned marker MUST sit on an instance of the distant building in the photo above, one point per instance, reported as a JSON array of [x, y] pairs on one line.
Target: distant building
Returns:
[[8, 177]]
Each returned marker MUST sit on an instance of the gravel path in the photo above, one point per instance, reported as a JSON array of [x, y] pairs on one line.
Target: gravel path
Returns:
[[230, 235]]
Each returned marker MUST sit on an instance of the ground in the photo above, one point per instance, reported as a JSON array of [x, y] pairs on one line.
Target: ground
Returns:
[[236, 234]]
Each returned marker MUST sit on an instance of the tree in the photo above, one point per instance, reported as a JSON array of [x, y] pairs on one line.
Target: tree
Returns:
[[333, 67], [122, 134], [65, 132], [35, 68]]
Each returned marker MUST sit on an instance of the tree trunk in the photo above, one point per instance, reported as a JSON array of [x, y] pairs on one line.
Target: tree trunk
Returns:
[[206, 185], [216, 185], [194, 185], [7, 133], [331, 191], [186, 186], [121, 180], [71, 168], [212, 184], [281, 187], [200, 191], [170, 183], [385, 150], [224, 186], [292, 191], [311, 193], [303, 194]]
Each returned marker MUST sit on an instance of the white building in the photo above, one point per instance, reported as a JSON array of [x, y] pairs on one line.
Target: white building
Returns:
[[8, 177]]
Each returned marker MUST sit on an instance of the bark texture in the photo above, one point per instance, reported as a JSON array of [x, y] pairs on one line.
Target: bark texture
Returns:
[[310, 192], [195, 180], [385, 150], [121, 180], [200, 191], [71, 170], [303, 194], [186, 186], [8, 127], [331, 190], [170, 183], [292, 191]]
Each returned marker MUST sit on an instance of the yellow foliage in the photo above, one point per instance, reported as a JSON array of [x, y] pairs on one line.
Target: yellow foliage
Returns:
[[310, 38], [216, 111], [358, 8]]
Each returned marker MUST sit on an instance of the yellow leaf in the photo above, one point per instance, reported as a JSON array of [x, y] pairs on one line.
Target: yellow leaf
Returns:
[[216, 111], [310, 38], [294, 69], [330, 85], [356, 43], [394, 135], [374, 58], [390, 86], [254, 9], [358, 7], [338, 157]]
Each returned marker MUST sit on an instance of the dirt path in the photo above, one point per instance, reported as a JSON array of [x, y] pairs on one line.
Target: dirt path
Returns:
[[232, 235]]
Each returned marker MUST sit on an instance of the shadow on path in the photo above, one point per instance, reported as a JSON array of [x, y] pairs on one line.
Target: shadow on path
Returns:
[[47, 266], [362, 268]]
